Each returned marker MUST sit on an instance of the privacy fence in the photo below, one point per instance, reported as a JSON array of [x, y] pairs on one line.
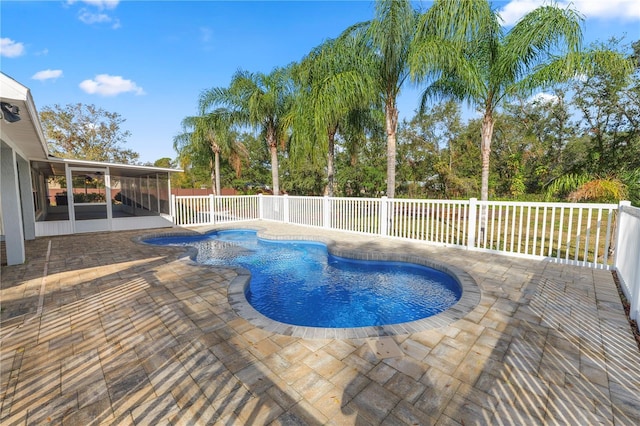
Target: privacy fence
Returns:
[[602, 236]]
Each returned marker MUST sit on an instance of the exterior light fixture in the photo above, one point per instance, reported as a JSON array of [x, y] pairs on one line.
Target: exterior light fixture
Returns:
[[10, 113]]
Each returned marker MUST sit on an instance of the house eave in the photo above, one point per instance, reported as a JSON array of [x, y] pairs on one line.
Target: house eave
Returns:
[[25, 136]]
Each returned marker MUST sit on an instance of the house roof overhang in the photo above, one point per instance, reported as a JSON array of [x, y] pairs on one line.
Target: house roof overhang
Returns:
[[24, 136]]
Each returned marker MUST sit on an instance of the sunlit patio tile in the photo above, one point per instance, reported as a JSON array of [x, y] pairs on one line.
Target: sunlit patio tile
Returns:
[[148, 337]]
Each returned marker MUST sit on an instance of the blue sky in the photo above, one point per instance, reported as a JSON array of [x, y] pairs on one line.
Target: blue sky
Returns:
[[150, 60]]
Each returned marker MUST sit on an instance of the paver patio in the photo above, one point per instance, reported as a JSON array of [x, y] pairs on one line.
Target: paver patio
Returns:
[[99, 329]]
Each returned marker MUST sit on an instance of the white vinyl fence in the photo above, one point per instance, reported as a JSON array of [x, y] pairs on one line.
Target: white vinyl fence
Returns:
[[627, 258], [201, 210], [575, 233]]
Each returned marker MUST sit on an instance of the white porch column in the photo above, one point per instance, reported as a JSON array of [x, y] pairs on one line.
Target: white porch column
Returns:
[[158, 193], [11, 209], [170, 196], [107, 192], [26, 194]]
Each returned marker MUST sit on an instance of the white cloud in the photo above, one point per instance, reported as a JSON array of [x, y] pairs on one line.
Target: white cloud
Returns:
[[100, 4], [10, 48], [96, 12], [93, 18], [205, 34], [610, 9], [543, 98], [47, 75], [110, 85], [516, 9]]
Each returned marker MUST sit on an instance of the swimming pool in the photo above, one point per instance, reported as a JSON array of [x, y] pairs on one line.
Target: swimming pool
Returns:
[[301, 283]]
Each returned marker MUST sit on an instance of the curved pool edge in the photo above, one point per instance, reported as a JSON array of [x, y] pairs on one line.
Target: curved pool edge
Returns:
[[236, 296]]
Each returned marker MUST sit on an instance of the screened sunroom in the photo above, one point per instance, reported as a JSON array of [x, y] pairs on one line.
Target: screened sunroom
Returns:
[[74, 196], [43, 195]]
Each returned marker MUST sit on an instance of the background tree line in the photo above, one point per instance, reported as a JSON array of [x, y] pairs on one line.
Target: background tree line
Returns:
[[329, 124]]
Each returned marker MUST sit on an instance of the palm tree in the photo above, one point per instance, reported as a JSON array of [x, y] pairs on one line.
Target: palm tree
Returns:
[[389, 37], [208, 137], [624, 185], [260, 101], [331, 92], [463, 49]]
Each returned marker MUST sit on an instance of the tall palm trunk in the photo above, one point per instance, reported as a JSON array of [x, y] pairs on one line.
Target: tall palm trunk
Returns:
[[212, 166], [487, 133], [391, 115], [331, 162], [273, 150], [215, 169], [485, 147], [274, 169], [216, 155]]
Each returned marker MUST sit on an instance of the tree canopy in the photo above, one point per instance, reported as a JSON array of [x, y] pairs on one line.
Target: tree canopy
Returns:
[[332, 97], [86, 132], [260, 101], [388, 36], [462, 47], [330, 123], [208, 137]]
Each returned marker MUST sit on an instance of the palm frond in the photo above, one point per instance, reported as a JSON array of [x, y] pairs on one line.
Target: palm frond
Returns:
[[391, 31], [565, 184], [539, 35], [334, 79], [606, 190], [631, 178], [459, 21]]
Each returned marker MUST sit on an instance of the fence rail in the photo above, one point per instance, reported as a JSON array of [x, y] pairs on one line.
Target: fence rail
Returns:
[[195, 210], [563, 232], [435, 221], [568, 233]]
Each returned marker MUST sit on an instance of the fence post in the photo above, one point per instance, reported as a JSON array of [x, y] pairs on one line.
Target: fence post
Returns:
[[634, 311], [326, 216], [384, 216], [172, 209], [472, 220], [285, 201], [260, 207], [619, 231], [212, 202]]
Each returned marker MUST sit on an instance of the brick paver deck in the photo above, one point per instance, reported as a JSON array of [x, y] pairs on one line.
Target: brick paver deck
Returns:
[[99, 329]]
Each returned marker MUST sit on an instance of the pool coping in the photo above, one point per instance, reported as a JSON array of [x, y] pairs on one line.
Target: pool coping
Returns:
[[470, 298]]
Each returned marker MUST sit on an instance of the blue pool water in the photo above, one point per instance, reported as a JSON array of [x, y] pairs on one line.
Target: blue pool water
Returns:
[[300, 283]]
